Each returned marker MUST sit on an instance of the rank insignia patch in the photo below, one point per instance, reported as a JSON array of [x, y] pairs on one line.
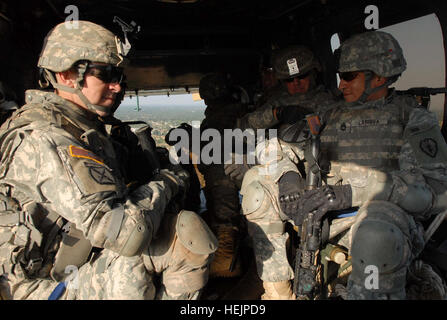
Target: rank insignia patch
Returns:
[[429, 147], [100, 174], [78, 152]]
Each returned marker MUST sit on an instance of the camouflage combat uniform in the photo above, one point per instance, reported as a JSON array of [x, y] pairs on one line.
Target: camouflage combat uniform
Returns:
[[46, 162], [393, 156], [380, 165], [263, 117], [65, 202], [289, 63]]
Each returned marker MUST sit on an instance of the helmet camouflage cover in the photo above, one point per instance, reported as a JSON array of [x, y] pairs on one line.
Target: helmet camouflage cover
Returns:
[[294, 61], [374, 50], [214, 86], [66, 44]]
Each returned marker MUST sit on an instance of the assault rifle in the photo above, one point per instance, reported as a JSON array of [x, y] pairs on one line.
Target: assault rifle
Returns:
[[305, 285], [422, 93]]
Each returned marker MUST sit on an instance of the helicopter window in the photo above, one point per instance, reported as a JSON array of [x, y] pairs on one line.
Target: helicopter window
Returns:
[[422, 42], [335, 44]]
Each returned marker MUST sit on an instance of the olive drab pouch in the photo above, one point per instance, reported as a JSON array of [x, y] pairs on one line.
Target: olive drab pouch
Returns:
[[73, 251], [27, 236]]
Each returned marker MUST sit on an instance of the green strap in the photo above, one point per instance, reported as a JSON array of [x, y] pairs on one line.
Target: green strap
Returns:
[[115, 223]]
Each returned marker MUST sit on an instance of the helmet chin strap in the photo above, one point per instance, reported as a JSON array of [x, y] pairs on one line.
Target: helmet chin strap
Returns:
[[368, 90], [77, 90]]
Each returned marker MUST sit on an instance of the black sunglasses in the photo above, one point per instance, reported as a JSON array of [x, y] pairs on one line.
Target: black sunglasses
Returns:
[[348, 76], [106, 73], [300, 77]]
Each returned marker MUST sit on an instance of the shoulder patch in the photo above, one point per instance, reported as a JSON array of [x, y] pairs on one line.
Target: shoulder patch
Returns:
[[100, 174], [77, 152], [429, 146]]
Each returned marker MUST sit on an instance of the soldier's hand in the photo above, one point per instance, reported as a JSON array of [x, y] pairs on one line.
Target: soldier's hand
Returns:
[[296, 202], [290, 114], [171, 180]]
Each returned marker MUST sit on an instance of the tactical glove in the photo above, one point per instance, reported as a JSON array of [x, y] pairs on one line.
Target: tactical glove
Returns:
[[296, 202], [290, 114]]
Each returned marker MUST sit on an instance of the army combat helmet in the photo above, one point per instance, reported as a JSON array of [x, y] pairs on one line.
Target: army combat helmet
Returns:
[[68, 46], [374, 51], [294, 61], [214, 86]]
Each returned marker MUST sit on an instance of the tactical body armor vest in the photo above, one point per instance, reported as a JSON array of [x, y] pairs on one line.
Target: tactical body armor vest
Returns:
[[368, 136]]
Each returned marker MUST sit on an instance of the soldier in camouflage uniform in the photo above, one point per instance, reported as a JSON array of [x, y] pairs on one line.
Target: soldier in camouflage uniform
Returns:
[[386, 156], [220, 191], [299, 93], [66, 212], [297, 69]]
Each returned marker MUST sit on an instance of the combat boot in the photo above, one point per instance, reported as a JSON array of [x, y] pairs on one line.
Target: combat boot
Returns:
[[281, 290], [226, 254]]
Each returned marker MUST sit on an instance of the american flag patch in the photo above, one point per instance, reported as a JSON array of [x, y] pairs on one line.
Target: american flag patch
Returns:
[[78, 152]]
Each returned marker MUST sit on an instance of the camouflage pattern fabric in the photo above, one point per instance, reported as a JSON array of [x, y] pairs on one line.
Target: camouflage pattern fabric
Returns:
[[271, 257], [109, 276], [376, 51], [391, 180], [316, 99], [183, 274], [64, 46], [48, 159], [293, 61], [367, 144], [264, 224]]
